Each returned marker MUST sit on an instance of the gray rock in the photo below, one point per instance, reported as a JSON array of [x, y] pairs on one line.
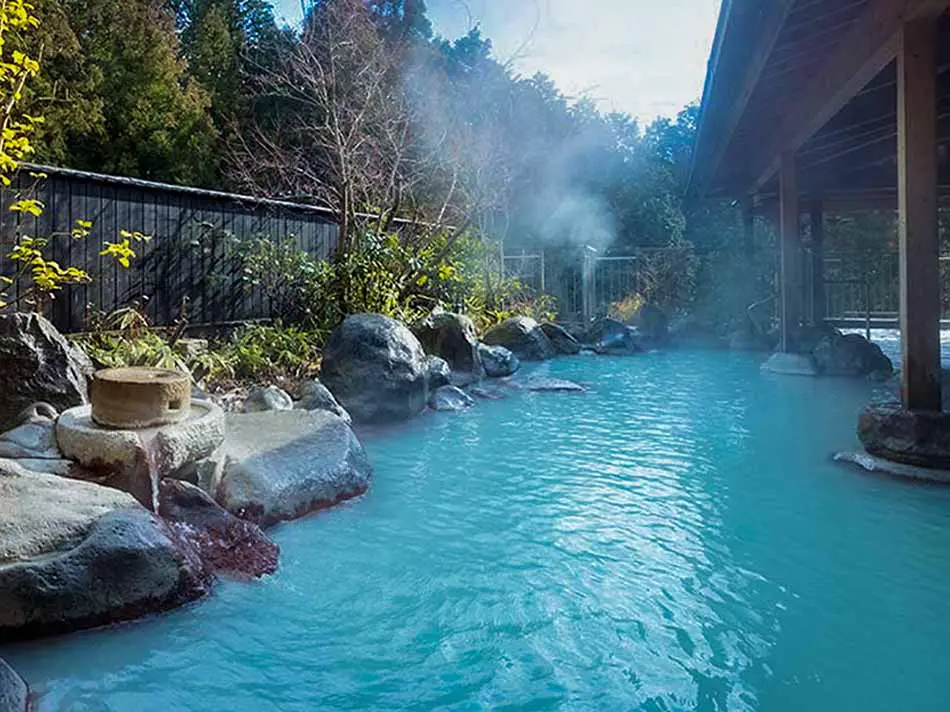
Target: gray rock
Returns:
[[489, 392], [262, 399], [34, 437], [439, 372], [653, 324], [451, 337], [225, 543], [14, 693], [39, 365], [137, 460], [376, 368], [316, 396], [561, 339], [545, 383], [745, 339], [282, 465], [916, 438], [689, 332], [851, 355], [610, 337], [451, 398], [498, 361], [788, 364], [523, 337], [75, 555]]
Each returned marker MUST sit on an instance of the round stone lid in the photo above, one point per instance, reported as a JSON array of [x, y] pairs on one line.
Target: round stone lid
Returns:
[[140, 374]]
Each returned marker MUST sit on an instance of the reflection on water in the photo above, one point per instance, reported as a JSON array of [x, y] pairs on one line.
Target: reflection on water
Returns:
[[677, 539]]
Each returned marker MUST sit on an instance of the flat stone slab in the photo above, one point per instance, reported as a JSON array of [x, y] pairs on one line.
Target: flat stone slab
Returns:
[[281, 465], [788, 364], [870, 463], [136, 460]]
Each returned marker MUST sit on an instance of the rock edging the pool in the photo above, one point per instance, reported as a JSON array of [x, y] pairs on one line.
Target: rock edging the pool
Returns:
[[88, 540]]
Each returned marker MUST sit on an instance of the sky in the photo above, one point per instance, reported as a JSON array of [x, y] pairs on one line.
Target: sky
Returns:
[[644, 57]]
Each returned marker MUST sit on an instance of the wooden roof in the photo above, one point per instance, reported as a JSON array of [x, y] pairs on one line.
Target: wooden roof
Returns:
[[817, 78]]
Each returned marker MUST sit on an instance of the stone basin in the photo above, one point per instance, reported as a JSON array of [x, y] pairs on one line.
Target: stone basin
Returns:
[[128, 398], [137, 459]]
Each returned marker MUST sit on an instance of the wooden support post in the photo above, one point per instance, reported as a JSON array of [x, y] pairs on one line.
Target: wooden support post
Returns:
[[791, 255], [917, 190], [817, 216], [748, 228]]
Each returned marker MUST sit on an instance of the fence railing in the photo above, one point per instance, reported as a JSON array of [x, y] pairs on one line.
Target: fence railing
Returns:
[[192, 257]]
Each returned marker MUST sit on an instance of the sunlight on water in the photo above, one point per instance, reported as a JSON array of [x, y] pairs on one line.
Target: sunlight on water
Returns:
[[677, 539]]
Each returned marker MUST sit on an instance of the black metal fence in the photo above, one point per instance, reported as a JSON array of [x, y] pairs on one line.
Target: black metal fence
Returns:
[[192, 258]]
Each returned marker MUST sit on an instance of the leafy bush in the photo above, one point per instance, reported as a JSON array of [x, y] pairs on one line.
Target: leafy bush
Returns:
[[627, 309], [257, 352]]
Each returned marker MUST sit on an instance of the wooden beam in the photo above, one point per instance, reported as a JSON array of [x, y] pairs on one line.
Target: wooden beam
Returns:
[[917, 196], [868, 48], [719, 133], [791, 255]]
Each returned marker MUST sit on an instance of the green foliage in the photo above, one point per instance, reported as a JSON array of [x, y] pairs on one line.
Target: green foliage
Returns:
[[260, 353]]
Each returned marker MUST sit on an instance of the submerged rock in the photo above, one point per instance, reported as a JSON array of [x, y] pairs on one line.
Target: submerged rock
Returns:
[[561, 339], [451, 337], [14, 693], [878, 465], [439, 373], [545, 383], [376, 368], [225, 543], [789, 364], [283, 465], [851, 355], [39, 366], [451, 398], [75, 555], [261, 399], [523, 337], [498, 361], [316, 396]]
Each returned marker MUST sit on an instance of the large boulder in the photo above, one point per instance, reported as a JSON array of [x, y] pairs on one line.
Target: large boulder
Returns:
[[614, 338], [283, 465], [523, 337], [39, 366], [14, 693], [376, 368], [316, 396], [911, 437], [653, 324], [76, 555], [562, 340], [225, 543], [690, 332], [498, 361], [851, 355], [451, 337]]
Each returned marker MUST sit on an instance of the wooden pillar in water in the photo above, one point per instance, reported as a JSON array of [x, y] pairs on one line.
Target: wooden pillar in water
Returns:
[[817, 219], [919, 241], [790, 308]]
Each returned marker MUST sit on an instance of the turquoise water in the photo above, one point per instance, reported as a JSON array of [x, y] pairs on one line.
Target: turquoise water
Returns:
[[677, 539]]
